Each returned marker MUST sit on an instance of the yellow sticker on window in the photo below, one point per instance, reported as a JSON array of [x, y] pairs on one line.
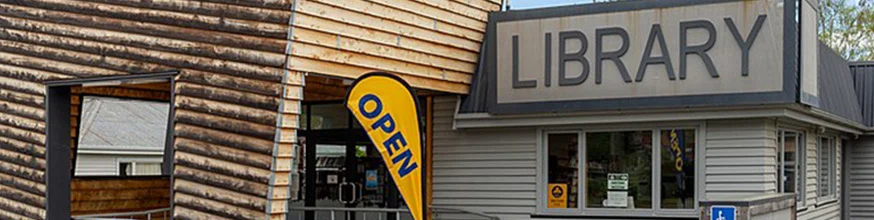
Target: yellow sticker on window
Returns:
[[557, 196]]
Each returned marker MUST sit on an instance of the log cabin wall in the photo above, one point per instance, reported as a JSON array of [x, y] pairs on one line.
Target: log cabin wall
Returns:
[[230, 55], [242, 66], [94, 195]]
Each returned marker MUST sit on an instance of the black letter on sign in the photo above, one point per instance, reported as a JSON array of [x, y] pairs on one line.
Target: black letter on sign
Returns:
[[516, 83], [746, 45], [613, 55], [547, 63], [655, 33], [700, 50], [564, 57]]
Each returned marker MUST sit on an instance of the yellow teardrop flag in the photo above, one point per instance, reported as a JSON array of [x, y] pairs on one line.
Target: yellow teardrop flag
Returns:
[[386, 107]]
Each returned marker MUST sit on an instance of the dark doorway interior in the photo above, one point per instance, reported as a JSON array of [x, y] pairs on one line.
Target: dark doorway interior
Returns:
[[341, 168]]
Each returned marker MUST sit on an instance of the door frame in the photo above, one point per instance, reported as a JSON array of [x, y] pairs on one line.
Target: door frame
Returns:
[[349, 137]]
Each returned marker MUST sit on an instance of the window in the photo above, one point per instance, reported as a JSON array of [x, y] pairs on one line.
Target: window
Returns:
[[642, 172], [563, 170], [328, 116], [791, 164], [827, 168], [678, 169], [111, 128], [619, 169], [139, 168]]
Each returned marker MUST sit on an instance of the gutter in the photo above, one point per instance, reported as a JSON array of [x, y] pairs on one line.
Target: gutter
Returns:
[[794, 111]]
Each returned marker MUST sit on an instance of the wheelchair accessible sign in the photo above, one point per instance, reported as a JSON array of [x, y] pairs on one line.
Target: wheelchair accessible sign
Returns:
[[723, 212]]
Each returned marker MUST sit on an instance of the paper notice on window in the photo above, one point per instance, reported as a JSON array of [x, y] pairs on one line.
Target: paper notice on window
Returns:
[[617, 199], [617, 181]]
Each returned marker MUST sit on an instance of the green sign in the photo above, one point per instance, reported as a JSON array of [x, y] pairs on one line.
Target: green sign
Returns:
[[617, 181]]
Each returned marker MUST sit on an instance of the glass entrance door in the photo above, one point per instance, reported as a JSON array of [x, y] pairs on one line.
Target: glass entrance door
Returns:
[[350, 175], [340, 169]]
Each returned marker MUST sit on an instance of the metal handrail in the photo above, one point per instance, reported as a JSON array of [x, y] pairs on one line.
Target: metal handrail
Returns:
[[334, 210], [147, 213], [467, 211]]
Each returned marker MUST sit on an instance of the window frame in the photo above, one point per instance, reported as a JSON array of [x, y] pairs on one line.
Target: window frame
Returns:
[[656, 209], [133, 161], [801, 154], [543, 179], [832, 194]]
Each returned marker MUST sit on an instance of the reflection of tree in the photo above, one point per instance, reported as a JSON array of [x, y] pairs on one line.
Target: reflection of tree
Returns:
[[619, 152], [677, 186]]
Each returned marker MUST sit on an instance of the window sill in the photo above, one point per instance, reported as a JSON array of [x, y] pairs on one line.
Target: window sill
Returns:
[[800, 209], [627, 214], [580, 216], [826, 201]]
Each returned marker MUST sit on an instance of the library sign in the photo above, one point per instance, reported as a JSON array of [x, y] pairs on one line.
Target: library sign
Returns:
[[648, 54]]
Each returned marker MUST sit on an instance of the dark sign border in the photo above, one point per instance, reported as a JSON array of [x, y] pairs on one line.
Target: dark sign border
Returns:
[[790, 64]]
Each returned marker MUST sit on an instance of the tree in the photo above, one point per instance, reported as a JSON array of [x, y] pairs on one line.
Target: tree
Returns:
[[847, 26]]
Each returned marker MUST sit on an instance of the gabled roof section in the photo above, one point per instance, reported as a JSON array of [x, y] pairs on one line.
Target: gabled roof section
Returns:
[[863, 75], [838, 90], [119, 124]]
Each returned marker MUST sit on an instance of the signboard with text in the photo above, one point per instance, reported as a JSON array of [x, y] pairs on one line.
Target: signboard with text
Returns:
[[388, 110], [630, 55]]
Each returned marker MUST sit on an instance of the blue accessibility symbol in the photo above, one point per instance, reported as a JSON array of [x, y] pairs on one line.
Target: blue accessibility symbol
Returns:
[[722, 212]]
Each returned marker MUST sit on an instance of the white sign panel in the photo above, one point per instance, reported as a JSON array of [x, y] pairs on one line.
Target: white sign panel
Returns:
[[725, 48], [617, 199]]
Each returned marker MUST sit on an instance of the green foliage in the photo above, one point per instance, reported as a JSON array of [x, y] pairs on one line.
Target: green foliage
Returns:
[[847, 26]]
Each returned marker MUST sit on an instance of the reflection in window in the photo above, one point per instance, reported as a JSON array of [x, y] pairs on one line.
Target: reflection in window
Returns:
[[791, 154], [329, 116], [678, 169], [114, 128], [827, 156], [624, 157], [139, 168], [563, 168]]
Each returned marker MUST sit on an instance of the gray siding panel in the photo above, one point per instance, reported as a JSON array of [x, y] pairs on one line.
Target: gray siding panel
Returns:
[[96, 165], [861, 177], [740, 158], [816, 210], [492, 171]]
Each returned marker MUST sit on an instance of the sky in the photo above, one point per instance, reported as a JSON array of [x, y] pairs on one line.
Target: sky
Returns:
[[523, 4]]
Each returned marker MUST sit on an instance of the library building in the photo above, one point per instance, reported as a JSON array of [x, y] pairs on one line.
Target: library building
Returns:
[[231, 109]]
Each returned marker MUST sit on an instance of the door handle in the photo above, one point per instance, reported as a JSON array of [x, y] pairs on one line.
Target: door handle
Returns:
[[347, 192]]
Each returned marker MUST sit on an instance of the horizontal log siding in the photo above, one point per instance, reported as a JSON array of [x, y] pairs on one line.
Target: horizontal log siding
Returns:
[[113, 195], [231, 55], [431, 44]]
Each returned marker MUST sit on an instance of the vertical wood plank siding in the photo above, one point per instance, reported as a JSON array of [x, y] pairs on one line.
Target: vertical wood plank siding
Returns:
[[231, 55], [492, 171]]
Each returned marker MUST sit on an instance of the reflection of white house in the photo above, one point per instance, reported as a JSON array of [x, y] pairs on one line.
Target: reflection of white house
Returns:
[[121, 137]]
